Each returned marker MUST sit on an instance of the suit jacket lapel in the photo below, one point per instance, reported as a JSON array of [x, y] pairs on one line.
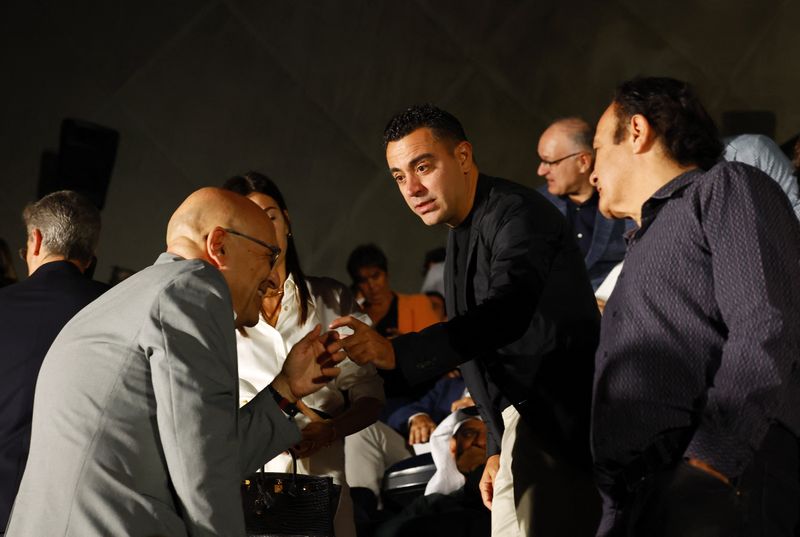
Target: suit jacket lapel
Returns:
[[600, 237]]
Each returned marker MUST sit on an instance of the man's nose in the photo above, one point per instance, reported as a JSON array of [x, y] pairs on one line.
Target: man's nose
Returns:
[[542, 170], [414, 187], [593, 179]]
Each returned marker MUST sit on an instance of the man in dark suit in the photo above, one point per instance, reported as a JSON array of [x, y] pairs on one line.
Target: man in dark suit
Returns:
[[523, 326], [566, 163], [63, 229]]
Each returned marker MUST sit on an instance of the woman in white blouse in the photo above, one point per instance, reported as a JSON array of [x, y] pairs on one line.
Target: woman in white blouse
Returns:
[[347, 404]]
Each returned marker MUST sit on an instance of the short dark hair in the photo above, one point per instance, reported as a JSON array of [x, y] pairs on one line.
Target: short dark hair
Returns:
[[676, 115], [365, 255], [444, 125], [258, 182], [69, 224]]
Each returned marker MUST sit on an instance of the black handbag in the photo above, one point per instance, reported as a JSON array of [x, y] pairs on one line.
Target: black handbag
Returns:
[[282, 505]]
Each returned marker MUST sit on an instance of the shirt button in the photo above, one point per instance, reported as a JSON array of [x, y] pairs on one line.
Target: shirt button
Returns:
[[580, 235], [286, 308]]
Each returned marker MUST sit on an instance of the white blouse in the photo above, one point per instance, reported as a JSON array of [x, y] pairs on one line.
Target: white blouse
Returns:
[[263, 349]]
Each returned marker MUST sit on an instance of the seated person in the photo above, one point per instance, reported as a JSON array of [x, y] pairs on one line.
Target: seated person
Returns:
[[392, 314], [369, 452], [452, 503]]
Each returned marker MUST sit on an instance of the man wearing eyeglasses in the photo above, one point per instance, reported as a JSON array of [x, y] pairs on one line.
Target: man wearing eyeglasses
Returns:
[[136, 425], [566, 162]]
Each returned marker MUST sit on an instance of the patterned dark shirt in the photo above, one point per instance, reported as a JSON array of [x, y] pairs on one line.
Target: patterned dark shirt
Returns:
[[703, 331], [582, 218]]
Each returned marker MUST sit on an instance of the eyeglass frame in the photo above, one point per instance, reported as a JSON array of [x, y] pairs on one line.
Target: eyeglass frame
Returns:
[[552, 163], [275, 252]]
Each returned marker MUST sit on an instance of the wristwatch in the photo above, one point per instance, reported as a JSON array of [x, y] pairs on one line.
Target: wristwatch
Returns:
[[284, 404]]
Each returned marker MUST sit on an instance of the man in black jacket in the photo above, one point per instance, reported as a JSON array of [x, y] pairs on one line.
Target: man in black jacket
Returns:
[[63, 230], [523, 326]]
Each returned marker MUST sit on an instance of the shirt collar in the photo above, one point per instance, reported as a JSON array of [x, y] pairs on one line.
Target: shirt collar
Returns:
[[653, 205], [676, 185]]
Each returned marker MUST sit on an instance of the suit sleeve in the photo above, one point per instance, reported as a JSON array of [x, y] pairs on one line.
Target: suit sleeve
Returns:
[[194, 377], [522, 248]]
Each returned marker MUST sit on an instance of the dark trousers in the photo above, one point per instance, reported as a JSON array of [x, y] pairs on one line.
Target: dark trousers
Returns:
[[683, 501]]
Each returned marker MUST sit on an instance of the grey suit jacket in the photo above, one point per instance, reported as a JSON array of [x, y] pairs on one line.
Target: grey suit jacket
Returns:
[[136, 426]]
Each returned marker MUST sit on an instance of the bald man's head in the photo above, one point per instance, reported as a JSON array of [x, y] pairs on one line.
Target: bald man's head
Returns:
[[234, 235], [566, 158]]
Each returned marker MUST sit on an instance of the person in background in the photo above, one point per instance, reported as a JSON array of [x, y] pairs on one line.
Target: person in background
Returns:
[[392, 314], [433, 284], [566, 160], [763, 153], [347, 404], [63, 229], [452, 503]]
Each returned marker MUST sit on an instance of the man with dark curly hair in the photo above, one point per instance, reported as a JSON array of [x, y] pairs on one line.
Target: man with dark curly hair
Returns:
[[696, 406]]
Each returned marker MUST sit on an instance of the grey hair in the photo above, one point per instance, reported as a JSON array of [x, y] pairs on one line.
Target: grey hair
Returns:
[[579, 131], [69, 224]]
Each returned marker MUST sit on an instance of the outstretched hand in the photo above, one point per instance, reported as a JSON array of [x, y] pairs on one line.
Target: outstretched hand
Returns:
[[309, 365], [364, 345]]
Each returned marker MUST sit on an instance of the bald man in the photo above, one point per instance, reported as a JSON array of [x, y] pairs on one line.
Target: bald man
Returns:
[[566, 161], [135, 424]]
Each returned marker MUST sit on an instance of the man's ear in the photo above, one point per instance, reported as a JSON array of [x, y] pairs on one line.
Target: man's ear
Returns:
[[35, 239], [641, 133], [463, 154], [215, 247], [453, 446], [585, 161]]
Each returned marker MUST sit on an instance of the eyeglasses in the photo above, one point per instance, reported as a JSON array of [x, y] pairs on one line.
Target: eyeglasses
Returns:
[[552, 163], [275, 252]]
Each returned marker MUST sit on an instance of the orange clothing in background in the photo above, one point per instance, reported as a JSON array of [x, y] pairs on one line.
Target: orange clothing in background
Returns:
[[414, 312]]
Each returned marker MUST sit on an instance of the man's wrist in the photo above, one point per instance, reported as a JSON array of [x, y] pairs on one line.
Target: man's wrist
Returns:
[[280, 384], [284, 403]]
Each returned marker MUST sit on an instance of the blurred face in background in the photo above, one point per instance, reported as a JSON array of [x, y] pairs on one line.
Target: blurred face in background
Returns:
[[468, 445], [373, 282]]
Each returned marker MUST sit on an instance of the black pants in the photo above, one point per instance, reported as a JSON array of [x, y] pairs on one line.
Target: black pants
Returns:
[[683, 501]]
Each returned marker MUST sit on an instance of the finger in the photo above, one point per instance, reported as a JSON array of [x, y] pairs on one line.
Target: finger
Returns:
[[412, 436], [348, 321], [314, 334], [486, 494], [330, 372], [328, 337], [359, 352]]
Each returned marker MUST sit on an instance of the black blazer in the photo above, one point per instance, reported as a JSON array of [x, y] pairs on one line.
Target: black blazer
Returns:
[[531, 328], [32, 314]]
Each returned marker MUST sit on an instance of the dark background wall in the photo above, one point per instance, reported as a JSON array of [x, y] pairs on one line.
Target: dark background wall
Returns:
[[301, 90]]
